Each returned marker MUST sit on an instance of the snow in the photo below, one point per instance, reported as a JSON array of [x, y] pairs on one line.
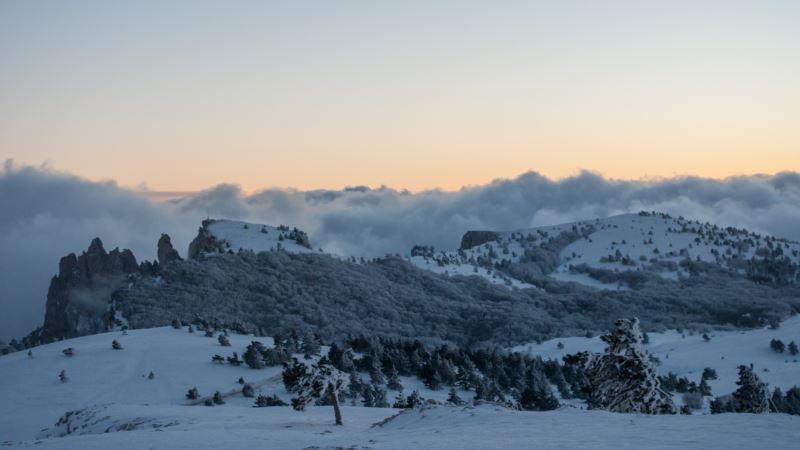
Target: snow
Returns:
[[122, 408], [688, 354], [649, 242], [257, 238]]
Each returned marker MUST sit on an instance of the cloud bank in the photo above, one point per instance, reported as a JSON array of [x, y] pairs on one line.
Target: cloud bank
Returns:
[[47, 214]]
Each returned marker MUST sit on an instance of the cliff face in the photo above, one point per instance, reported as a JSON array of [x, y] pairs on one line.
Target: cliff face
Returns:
[[204, 242], [475, 238], [77, 300], [166, 253]]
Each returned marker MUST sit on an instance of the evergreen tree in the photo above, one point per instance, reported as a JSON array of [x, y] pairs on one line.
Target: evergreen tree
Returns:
[[751, 395], [192, 394], [393, 380], [316, 382], [453, 398], [151, 376], [793, 348], [709, 374], [69, 351], [116, 345], [223, 341], [777, 346], [400, 401], [622, 379], [252, 356], [62, 376], [264, 401], [218, 398], [248, 391]]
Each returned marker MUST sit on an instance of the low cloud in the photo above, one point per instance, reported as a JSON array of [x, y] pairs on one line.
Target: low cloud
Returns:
[[47, 214]]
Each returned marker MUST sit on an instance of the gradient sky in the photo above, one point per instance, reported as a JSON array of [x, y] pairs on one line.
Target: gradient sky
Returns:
[[180, 95]]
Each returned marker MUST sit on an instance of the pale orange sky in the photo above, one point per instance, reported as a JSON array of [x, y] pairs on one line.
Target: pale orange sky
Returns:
[[412, 95]]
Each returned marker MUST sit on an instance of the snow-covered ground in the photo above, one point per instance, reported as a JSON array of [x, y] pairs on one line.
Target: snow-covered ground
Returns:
[[236, 235], [630, 242], [121, 408], [686, 355]]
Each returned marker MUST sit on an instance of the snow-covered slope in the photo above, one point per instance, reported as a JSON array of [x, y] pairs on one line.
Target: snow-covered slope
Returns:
[[686, 355], [223, 236], [648, 242], [118, 406]]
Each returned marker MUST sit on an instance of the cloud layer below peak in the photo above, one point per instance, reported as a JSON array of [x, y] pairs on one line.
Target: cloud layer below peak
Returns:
[[46, 214]]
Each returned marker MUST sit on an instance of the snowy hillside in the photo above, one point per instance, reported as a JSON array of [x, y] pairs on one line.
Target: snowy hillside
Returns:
[[587, 252], [116, 404], [686, 355], [224, 236]]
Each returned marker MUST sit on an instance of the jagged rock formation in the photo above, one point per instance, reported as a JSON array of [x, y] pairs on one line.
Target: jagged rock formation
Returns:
[[166, 253], [476, 238], [77, 300], [204, 242]]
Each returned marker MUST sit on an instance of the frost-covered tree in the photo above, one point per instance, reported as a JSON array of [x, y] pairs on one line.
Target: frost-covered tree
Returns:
[[793, 348], [116, 345], [622, 379], [224, 341], [777, 346], [752, 394], [316, 382]]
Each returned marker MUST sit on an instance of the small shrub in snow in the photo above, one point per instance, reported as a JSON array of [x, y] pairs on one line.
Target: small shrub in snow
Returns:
[[62, 376], [176, 324], [193, 394], [151, 376], [248, 391], [224, 341], [116, 345], [264, 401], [69, 351], [793, 348], [217, 399], [777, 346]]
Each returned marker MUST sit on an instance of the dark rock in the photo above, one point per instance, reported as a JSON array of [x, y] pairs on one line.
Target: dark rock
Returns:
[[475, 238], [77, 300], [204, 242], [166, 253]]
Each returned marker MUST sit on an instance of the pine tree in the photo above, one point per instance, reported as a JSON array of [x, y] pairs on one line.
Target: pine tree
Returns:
[[752, 394], [777, 346], [248, 391], [316, 382], [218, 398], [252, 356], [151, 376], [622, 378], [793, 348], [453, 398], [116, 345], [224, 341], [192, 394]]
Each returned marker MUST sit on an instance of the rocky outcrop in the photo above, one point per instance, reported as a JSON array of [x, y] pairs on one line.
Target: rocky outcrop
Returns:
[[78, 297], [476, 238], [204, 242], [166, 253]]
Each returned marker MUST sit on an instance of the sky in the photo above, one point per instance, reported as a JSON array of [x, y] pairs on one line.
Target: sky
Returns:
[[378, 125], [184, 95]]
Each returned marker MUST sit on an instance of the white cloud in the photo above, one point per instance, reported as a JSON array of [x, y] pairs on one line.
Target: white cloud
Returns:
[[46, 214]]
